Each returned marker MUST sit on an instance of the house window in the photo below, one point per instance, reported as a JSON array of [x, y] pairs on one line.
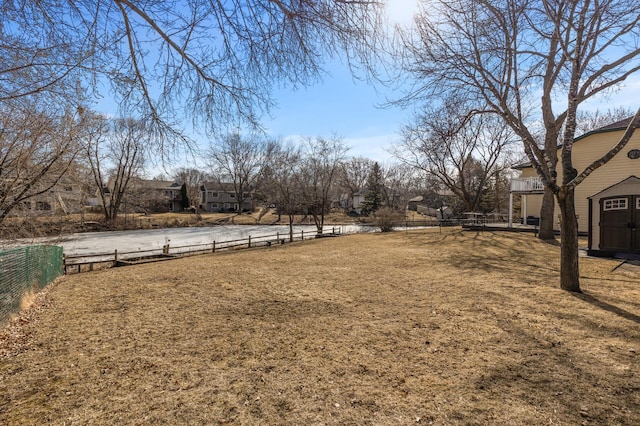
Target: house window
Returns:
[[232, 195], [43, 205], [615, 204], [214, 205], [68, 188], [638, 203], [227, 205], [213, 194], [170, 207]]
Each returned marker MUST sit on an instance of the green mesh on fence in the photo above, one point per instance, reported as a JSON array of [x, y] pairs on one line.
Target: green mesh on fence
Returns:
[[23, 270]]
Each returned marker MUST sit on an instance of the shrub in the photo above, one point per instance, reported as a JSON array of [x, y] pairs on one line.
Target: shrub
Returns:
[[386, 218]]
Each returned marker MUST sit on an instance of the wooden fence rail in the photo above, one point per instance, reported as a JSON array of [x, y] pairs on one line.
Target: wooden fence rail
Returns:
[[92, 261]]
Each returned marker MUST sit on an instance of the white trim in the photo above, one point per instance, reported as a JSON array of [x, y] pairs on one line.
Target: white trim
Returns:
[[614, 204]]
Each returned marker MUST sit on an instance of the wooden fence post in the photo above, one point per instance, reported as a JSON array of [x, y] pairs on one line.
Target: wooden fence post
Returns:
[[249, 245], [302, 235], [213, 249]]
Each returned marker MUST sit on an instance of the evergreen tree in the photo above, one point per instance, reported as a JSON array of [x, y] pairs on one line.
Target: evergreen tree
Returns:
[[373, 200], [185, 196]]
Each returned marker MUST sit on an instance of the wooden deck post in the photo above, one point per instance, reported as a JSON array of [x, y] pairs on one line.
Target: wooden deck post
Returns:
[[510, 209]]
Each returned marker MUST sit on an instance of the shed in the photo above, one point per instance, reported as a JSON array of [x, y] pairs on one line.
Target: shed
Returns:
[[614, 216]]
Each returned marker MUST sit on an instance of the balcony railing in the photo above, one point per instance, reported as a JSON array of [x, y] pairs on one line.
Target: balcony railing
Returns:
[[530, 184]]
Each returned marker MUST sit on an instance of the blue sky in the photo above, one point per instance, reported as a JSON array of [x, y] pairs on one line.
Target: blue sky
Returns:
[[352, 109], [343, 106], [338, 104]]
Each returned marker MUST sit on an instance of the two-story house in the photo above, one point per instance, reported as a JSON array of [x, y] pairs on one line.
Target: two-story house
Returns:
[[149, 195], [607, 201], [64, 197], [217, 197], [159, 195]]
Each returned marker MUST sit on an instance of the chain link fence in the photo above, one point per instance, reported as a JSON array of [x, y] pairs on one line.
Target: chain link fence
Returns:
[[25, 271]]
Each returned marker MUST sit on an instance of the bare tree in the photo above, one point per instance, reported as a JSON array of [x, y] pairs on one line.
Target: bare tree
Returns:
[[282, 174], [401, 182], [115, 151], [587, 121], [238, 160], [193, 179], [322, 162], [460, 150], [533, 63], [214, 62], [36, 149], [352, 177]]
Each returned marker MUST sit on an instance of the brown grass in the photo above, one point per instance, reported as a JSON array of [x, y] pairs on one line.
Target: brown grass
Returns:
[[383, 329]]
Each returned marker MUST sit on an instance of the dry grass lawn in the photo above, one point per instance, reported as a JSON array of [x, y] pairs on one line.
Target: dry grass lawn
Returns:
[[382, 329]]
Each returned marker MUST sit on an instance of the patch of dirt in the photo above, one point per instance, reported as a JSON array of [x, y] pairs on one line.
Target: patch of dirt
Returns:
[[422, 327]]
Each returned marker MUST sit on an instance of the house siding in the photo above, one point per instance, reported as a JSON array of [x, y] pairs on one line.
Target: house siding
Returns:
[[217, 198], [585, 151]]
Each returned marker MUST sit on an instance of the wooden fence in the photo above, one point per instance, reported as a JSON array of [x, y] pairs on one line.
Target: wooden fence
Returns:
[[92, 261]]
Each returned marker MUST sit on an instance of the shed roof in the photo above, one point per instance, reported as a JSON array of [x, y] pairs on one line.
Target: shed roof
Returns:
[[630, 180]]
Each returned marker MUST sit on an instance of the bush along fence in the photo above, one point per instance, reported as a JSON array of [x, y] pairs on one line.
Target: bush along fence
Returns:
[[23, 272], [74, 264]]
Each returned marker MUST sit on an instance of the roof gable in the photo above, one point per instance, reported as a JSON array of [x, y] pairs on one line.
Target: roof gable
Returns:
[[613, 127], [611, 190]]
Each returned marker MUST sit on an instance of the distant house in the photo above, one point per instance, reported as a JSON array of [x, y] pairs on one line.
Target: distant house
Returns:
[[418, 204], [150, 196], [607, 202], [389, 199], [65, 197], [358, 199], [218, 197], [158, 196], [414, 202]]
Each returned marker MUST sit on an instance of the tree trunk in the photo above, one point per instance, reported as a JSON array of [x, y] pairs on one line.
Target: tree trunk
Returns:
[[546, 216], [569, 271]]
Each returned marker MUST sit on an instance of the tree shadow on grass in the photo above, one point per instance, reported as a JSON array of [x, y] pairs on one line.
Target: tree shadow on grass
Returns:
[[607, 307]]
